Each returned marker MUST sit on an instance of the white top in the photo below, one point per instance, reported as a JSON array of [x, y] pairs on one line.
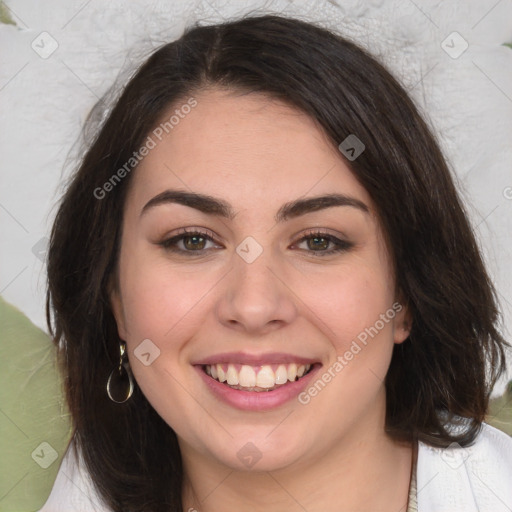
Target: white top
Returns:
[[473, 479]]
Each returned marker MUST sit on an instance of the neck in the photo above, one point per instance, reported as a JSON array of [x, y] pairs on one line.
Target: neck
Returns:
[[364, 470]]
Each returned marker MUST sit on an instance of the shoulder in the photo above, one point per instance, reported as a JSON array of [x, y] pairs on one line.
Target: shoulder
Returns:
[[473, 478], [73, 490]]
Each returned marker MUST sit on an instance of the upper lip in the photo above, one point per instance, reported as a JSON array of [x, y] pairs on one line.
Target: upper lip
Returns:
[[254, 359]]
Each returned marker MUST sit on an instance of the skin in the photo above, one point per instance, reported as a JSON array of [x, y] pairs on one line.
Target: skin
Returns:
[[257, 154]]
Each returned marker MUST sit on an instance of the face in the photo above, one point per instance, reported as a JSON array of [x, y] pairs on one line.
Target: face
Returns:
[[251, 254]]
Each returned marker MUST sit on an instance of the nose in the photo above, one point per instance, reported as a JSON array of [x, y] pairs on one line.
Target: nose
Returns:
[[256, 299]]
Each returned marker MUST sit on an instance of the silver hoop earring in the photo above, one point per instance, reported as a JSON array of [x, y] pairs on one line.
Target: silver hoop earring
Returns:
[[120, 380]]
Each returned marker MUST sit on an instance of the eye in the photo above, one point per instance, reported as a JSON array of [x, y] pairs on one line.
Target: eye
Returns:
[[321, 243], [194, 242], [190, 241]]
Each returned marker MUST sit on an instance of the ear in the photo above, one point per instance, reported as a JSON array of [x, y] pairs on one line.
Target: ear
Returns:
[[117, 308], [402, 322]]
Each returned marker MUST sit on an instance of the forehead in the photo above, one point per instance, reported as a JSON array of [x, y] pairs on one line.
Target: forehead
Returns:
[[250, 149]]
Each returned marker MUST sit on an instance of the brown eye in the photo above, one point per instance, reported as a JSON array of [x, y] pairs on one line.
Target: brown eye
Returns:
[[194, 242], [321, 244], [318, 243], [190, 242]]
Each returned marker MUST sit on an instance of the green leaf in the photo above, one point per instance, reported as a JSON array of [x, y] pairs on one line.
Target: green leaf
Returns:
[[5, 16]]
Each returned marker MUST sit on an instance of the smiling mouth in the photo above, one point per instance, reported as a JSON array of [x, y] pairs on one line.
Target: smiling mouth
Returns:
[[256, 378]]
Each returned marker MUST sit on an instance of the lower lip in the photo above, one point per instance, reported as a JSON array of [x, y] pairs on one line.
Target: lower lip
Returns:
[[257, 400]]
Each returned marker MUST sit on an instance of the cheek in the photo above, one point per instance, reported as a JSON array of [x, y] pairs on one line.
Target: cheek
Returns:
[[159, 299], [348, 302], [356, 310], [166, 307]]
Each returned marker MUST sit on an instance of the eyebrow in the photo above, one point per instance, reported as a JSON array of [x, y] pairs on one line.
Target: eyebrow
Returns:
[[218, 207]]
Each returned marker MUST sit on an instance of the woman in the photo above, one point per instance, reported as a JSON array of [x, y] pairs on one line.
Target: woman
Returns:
[[268, 293]]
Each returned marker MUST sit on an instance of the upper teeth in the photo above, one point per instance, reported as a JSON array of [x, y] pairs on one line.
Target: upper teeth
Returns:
[[259, 376]]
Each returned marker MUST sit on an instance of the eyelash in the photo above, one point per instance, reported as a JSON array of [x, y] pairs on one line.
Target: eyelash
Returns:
[[170, 243]]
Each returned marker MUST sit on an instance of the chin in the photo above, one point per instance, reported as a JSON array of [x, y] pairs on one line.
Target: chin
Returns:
[[264, 451]]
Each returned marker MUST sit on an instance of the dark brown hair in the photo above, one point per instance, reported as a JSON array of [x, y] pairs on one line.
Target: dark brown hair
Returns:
[[454, 353]]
